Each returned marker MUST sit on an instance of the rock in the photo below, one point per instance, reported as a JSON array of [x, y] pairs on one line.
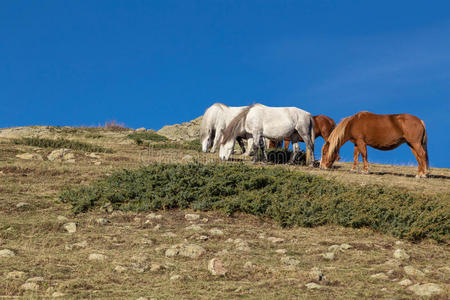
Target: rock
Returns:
[[147, 242], [29, 156], [202, 238], [194, 227], [281, 251], [22, 204], [249, 265], [102, 221], [186, 131], [156, 267], [97, 163], [399, 243], [313, 286], [142, 129], [58, 294], [427, 289], [61, 155], [328, 255], [215, 267], [334, 248], [187, 159], [345, 246], [192, 251], [401, 254], [92, 155], [120, 269], [275, 240], [171, 252], [175, 277], [205, 220], [241, 245], [411, 271], [316, 274], [79, 245], [70, 227], [169, 234], [381, 276], [97, 257], [191, 217], [7, 253], [157, 227], [62, 219], [15, 275], [35, 279], [30, 286], [290, 261], [216, 232], [222, 252], [139, 268], [153, 216], [405, 282]]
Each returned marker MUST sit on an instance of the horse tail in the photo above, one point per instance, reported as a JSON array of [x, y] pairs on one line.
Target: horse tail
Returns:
[[337, 136], [310, 148], [424, 142]]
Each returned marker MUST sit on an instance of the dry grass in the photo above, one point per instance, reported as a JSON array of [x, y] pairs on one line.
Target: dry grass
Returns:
[[39, 240]]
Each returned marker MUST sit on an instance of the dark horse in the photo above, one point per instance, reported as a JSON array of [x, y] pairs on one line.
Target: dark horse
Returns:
[[382, 132], [323, 126]]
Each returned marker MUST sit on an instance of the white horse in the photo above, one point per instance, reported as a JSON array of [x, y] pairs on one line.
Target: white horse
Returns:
[[215, 119], [275, 123]]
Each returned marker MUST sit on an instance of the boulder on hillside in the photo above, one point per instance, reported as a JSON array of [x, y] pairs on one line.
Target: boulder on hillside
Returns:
[[187, 131]]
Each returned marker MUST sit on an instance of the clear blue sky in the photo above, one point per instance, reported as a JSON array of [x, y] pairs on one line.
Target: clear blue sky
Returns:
[[151, 63]]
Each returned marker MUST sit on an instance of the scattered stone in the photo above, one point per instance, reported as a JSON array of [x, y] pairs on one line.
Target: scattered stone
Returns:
[[229, 241], [192, 251], [171, 252], [70, 227], [22, 204], [62, 219], [216, 232], [316, 274], [169, 234], [345, 246], [249, 265], [222, 252], [215, 267], [7, 253], [61, 155], [139, 268], [142, 129], [58, 294], [390, 272], [79, 245], [411, 271], [392, 263], [175, 277], [15, 275], [97, 163], [333, 248], [153, 216], [313, 286], [30, 286], [205, 220], [192, 217], [157, 227], [399, 243], [381, 276], [427, 289], [290, 261], [275, 240], [137, 219], [281, 251], [328, 255], [401, 254], [194, 227], [120, 269], [202, 238], [29, 156], [156, 267], [92, 155], [102, 221], [405, 282], [97, 257], [148, 242]]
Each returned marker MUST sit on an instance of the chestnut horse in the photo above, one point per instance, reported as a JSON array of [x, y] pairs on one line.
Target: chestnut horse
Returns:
[[323, 126], [382, 132]]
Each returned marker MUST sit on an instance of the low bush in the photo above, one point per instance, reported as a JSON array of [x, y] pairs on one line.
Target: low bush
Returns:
[[60, 143], [140, 137], [289, 197], [190, 145]]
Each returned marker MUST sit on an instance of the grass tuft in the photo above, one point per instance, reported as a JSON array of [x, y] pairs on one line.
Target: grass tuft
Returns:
[[140, 137], [290, 198], [60, 143]]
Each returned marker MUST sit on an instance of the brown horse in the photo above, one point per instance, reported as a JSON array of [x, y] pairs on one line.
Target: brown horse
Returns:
[[382, 132], [323, 126]]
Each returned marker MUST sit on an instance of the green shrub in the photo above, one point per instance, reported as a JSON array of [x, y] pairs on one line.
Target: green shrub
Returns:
[[140, 137], [289, 197], [60, 143], [191, 145]]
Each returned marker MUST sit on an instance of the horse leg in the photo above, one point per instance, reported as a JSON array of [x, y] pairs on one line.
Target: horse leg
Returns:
[[362, 147], [216, 140], [420, 155], [355, 160], [262, 145], [255, 146], [309, 149], [241, 144], [295, 150]]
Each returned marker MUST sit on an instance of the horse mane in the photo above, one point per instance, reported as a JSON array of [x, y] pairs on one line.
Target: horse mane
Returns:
[[203, 125], [232, 129], [337, 135]]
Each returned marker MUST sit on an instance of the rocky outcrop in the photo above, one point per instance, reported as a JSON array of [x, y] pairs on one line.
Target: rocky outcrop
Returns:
[[187, 131]]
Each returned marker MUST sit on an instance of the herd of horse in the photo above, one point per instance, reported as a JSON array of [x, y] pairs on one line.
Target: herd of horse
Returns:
[[223, 125]]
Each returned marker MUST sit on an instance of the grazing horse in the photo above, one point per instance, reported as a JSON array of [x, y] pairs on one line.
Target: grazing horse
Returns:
[[215, 119], [323, 126], [382, 132], [275, 123]]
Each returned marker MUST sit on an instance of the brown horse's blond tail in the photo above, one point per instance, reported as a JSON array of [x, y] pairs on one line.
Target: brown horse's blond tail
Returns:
[[337, 135], [425, 142]]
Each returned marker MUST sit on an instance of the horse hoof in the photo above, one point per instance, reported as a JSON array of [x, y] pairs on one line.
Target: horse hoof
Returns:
[[421, 176], [364, 172], [353, 170]]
